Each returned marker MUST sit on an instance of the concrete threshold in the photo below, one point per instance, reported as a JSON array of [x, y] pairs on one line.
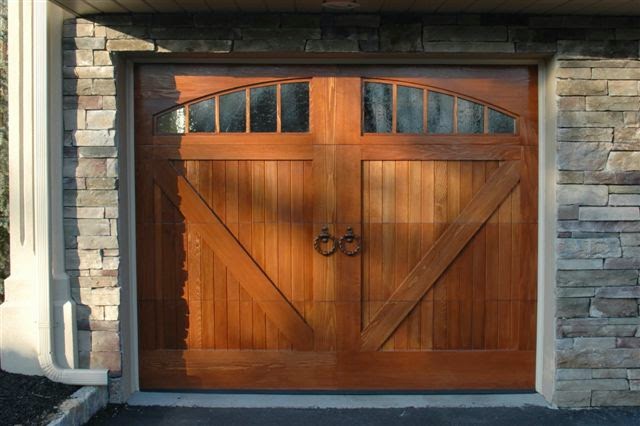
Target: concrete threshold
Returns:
[[334, 401]]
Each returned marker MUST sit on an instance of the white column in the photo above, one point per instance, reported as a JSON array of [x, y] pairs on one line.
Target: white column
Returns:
[[18, 314], [35, 190]]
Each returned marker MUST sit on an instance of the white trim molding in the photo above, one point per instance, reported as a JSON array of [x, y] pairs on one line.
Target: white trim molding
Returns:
[[38, 334], [545, 328], [547, 219]]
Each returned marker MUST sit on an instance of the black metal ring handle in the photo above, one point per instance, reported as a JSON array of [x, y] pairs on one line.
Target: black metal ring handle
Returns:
[[324, 238], [350, 238]]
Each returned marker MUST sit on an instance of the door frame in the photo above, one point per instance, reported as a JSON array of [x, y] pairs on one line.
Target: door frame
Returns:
[[545, 330]]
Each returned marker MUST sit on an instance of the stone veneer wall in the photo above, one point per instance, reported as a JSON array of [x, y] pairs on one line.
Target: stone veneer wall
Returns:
[[598, 98], [4, 152]]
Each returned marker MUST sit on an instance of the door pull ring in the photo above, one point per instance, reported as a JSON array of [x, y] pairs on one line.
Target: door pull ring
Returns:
[[325, 239], [349, 238]]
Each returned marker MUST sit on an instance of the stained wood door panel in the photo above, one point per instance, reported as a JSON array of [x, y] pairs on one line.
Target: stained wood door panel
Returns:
[[462, 293], [232, 295], [260, 206], [401, 205], [405, 290], [269, 370]]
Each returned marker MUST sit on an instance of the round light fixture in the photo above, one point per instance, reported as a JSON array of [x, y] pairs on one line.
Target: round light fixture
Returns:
[[340, 4]]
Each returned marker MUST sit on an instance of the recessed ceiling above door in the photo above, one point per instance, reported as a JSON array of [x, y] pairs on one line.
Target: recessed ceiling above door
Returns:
[[578, 7]]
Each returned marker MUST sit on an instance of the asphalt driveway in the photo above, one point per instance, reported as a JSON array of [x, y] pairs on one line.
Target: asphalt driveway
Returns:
[[538, 416]]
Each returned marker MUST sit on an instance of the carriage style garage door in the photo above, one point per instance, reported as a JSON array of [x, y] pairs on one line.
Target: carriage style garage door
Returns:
[[336, 227]]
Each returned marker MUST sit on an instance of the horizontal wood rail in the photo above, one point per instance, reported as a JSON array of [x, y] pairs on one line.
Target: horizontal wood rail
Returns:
[[440, 152], [228, 152]]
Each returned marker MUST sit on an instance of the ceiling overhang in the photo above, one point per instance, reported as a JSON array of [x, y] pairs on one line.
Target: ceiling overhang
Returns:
[[546, 7]]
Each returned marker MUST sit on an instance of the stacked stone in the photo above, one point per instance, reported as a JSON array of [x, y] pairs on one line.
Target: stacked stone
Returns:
[[598, 335], [90, 199], [568, 36], [598, 92], [4, 152]]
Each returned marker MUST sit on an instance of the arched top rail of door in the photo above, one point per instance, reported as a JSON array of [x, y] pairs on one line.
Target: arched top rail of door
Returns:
[[399, 107], [388, 107], [279, 106]]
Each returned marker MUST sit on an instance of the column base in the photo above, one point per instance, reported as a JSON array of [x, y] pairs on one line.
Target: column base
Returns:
[[18, 328]]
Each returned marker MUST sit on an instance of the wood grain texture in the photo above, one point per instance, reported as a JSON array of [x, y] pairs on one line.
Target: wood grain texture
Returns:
[[440, 152], [233, 255], [267, 370], [232, 295], [229, 152], [424, 275]]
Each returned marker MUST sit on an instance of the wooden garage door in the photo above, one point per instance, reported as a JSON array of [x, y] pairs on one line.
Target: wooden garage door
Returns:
[[418, 186]]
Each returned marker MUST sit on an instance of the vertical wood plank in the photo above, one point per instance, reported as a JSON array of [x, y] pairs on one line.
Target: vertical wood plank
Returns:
[[219, 188], [182, 323], [248, 324], [222, 323], [324, 320], [402, 242], [375, 294], [271, 239], [414, 246], [366, 251], [284, 235], [193, 254], [492, 253], [297, 236], [441, 215], [208, 297], [504, 275], [452, 276], [479, 267], [465, 303], [349, 268], [308, 253], [427, 237], [158, 290], [388, 234]]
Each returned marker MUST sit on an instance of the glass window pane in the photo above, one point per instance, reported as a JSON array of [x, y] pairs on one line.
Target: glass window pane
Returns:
[[470, 117], [172, 122], [233, 112], [202, 116], [377, 108], [501, 123], [294, 103], [410, 110], [264, 112], [440, 113]]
